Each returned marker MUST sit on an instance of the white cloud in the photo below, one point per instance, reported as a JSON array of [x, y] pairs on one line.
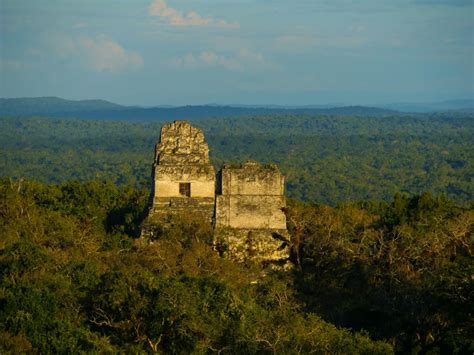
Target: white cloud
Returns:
[[241, 61], [80, 25], [396, 42], [104, 54], [10, 65], [357, 28], [177, 18], [305, 42], [100, 54]]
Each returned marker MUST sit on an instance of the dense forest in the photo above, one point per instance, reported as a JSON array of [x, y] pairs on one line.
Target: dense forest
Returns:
[[371, 278], [380, 215], [326, 159]]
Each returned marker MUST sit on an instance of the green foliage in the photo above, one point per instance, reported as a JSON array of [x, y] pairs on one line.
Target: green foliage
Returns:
[[369, 278], [401, 272], [65, 288], [326, 159], [184, 229], [422, 210]]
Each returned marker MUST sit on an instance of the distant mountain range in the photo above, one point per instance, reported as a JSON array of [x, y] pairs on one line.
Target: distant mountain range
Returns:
[[51, 105], [442, 106], [100, 109]]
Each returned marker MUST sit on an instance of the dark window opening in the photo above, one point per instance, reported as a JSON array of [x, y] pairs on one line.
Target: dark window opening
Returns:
[[185, 189]]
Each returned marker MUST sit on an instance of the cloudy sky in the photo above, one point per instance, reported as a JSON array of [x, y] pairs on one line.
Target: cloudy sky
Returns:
[[172, 52]]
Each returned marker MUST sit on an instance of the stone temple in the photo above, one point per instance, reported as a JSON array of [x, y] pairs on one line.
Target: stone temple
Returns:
[[183, 178], [244, 202]]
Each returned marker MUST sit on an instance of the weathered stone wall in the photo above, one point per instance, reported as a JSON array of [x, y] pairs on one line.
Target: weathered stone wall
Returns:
[[181, 144], [250, 211], [249, 221], [252, 178], [258, 245], [250, 196], [181, 157], [167, 179]]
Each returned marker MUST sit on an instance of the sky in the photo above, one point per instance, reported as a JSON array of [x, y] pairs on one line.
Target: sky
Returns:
[[282, 52]]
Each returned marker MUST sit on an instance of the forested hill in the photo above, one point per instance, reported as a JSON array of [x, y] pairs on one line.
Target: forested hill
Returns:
[[53, 106], [326, 159], [99, 109]]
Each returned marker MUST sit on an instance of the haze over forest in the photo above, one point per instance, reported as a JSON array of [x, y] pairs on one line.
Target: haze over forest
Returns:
[[366, 107]]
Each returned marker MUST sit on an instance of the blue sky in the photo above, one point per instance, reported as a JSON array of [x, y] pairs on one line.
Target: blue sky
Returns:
[[173, 52]]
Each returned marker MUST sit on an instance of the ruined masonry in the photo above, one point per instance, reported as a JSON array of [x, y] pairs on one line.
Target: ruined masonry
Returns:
[[245, 203], [249, 218], [183, 178]]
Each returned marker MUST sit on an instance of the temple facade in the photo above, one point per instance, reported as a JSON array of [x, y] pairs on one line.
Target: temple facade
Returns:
[[183, 178], [244, 203]]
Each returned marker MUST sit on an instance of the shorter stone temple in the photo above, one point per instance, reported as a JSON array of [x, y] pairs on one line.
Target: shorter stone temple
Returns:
[[249, 218], [245, 203]]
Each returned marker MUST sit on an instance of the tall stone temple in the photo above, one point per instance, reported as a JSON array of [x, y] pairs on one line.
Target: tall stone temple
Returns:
[[244, 202]]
